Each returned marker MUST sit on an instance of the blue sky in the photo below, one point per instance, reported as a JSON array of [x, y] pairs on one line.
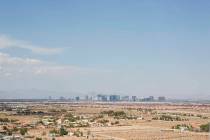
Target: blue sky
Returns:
[[142, 47]]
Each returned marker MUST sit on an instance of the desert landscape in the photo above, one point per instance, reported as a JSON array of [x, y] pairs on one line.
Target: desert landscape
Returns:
[[105, 121], [104, 69]]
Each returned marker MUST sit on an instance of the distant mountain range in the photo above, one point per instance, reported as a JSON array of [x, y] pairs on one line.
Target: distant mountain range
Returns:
[[34, 94]]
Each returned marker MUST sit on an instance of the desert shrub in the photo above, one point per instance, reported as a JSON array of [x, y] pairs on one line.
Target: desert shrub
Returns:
[[109, 113], [166, 118], [9, 132], [13, 120], [4, 120], [114, 123], [23, 131], [119, 113], [99, 116], [205, 127], [54, 131], [83, 124], [63, 110], [116, 114], [103, 121], [5, 127], [169, 118], [198, 115], [131, 117], [92, 120], [15, 129], [71, 117], [78, 133], [63, 131], [52, 110], [179, 126], [177, 118], [155, 118]]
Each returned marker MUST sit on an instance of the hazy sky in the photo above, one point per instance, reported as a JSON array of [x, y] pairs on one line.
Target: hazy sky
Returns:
[[142, 47]]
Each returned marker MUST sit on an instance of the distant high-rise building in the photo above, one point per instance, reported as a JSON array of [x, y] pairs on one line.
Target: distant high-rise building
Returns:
[[77, 98], [62, 98], [149, 99], [86, 97], [161, 99], [49, 98], [99, 97], [91, 98], [114, 98], [134, 98], [102, 97], [125, 98]]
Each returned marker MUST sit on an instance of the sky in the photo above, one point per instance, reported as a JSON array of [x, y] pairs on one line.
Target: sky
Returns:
[[138, 47]]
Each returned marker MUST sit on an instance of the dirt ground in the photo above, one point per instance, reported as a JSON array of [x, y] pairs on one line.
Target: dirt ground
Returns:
[[138, 129]]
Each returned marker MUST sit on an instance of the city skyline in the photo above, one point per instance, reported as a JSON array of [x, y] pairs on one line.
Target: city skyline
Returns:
[[70, 48]]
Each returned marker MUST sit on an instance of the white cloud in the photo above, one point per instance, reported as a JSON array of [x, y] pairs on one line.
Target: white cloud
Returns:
[[7, 42], [16, 66], [7, 59]]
